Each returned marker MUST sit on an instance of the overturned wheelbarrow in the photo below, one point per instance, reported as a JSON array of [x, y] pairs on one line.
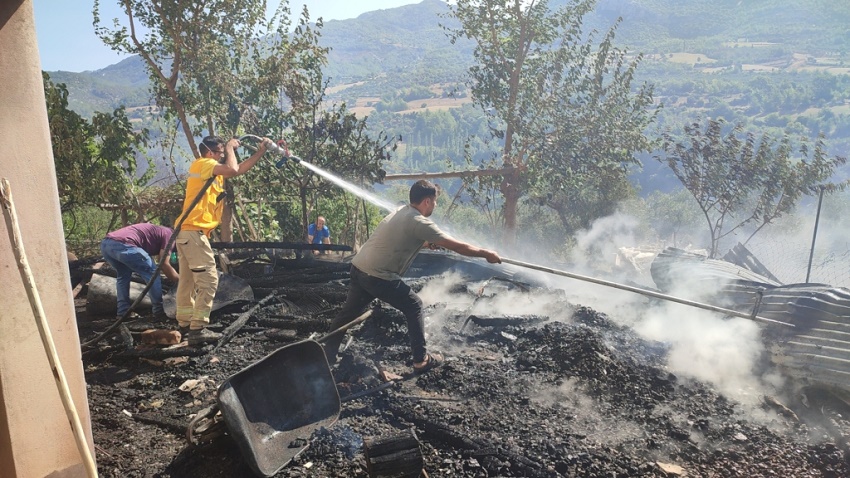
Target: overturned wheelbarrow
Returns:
[[272, 407]]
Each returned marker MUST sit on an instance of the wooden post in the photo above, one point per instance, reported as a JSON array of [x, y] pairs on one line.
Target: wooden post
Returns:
[[397, 456], [15, 239], [449, 174]]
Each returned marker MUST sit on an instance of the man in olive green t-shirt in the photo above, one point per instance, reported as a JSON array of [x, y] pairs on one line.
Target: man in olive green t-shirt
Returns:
[[377, 268]]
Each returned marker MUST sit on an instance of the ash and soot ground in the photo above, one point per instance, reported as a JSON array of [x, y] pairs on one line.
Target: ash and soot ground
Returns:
[[535, 385]]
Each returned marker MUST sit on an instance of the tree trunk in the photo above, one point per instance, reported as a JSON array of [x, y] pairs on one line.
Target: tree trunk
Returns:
[[302, 193], [251, 230], [227, 223], [356, 225], [510, 185], [511, 193], [227, 215]]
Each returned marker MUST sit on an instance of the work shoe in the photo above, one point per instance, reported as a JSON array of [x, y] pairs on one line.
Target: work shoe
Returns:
[[432, 361], [159, 316], [202, 336], [184, 332], [131, 316]]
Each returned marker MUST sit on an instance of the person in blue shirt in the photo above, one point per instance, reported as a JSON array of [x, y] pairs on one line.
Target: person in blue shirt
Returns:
[[318, 233]]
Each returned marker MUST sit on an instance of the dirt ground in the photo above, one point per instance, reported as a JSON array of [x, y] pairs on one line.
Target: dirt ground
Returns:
[[562, 392]]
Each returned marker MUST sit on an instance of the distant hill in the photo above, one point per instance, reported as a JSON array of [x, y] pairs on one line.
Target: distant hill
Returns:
[[406, 46], [814, 26], [392, 41], [775, 65], [124, 83]]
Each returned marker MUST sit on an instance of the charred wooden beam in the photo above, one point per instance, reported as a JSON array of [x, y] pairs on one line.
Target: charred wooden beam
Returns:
[[280, 245], [282, 335], [237, 324], [305, 292], [273, 280], [303, 326], [506, 320], [448, 435], [158, 353], [398, 455]]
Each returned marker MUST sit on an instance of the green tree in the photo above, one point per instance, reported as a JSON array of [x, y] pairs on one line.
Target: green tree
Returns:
[[742, 178], [591, 197], [561, 104], [327, 136], [196, 53], [218, 66], [95, 161]]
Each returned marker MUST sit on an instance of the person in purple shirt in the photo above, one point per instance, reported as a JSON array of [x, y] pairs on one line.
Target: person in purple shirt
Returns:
[[130, 249]]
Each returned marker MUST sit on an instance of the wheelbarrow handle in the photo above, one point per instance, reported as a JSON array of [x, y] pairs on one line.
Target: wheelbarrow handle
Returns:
[[361, 318], [208, 430]]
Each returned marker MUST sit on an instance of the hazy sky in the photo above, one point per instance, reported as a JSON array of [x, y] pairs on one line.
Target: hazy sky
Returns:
[[66, 39]]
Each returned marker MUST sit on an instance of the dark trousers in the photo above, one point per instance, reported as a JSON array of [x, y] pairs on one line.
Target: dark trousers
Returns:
[[362, 290]]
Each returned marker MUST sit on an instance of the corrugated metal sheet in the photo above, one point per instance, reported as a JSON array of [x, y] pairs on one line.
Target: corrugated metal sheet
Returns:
[[816, 351], [674, 266]]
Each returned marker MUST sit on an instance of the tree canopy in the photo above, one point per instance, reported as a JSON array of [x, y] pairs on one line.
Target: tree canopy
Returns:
[[560, 102], [203, 57], [95, 161], [740, 178], [220, 67]]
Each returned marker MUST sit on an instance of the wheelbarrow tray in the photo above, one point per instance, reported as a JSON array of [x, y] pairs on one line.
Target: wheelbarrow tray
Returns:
[[272, 407]]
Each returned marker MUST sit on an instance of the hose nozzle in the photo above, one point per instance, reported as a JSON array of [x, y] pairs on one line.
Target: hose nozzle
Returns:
[[282, 162], [276, 148], [281, 149]]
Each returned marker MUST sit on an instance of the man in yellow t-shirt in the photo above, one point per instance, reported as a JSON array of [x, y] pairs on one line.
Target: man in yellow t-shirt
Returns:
[[198, 275]]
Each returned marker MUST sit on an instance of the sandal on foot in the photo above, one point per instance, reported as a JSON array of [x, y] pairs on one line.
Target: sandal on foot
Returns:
[[432, 361]]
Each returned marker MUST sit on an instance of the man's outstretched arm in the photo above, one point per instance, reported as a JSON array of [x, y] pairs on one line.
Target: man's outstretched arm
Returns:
[[466, 249]]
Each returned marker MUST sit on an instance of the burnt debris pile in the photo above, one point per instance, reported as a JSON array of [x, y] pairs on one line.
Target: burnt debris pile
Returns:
[[534, 386]]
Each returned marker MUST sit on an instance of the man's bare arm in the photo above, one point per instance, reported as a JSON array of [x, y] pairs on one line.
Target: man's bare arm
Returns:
[[467, 249], [169, 271], [230, 167]]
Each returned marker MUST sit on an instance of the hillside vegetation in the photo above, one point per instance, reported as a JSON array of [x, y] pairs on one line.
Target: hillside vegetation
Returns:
[[773, 66], [773, 63]]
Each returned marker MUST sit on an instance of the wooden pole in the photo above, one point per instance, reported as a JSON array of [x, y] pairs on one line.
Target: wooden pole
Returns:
[[646, 292], [814, 237], [11, 218], [449, 174]]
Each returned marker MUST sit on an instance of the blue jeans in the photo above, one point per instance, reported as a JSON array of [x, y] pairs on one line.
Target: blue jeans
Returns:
[[126, 259]]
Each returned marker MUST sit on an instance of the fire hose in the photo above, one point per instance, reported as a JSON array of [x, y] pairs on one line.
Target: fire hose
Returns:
[[277, 148]]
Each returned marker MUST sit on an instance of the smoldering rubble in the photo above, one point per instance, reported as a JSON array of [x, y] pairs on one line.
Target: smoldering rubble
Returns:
[[536, 384]]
